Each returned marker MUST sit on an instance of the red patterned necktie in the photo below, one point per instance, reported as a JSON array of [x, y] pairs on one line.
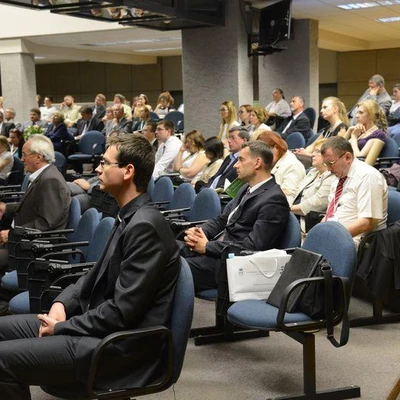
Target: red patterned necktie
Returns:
[[333, 204]]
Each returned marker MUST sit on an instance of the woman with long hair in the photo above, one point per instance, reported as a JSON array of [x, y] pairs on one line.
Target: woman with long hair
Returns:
[[244, 115], [165, 104], [6, 159], [228, 120], [16, 141]]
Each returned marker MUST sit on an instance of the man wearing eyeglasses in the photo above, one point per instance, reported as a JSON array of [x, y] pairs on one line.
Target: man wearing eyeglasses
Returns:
[[358, 198], [131, 286]]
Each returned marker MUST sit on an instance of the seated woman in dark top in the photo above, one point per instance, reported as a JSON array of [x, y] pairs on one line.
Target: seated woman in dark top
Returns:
[[369, 136], [394, 112], [57, 131]]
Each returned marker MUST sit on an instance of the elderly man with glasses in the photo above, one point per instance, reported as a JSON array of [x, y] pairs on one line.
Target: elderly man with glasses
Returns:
[[358, 198]]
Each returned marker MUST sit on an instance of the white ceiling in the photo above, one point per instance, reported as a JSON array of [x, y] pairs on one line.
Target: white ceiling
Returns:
[[339, 30]]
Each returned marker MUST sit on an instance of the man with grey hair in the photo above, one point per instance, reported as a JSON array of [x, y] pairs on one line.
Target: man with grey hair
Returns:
[[298, 122], [9, 115], [376, 91], [45, 204]]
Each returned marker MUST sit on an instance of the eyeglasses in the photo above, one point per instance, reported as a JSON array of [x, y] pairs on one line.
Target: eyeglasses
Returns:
[[27, 155], [330, 164], [104, 163]]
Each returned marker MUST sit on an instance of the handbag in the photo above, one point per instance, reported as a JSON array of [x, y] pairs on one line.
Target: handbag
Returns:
[[254, 276]]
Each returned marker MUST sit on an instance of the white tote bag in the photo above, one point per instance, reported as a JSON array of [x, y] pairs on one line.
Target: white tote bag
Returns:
[[254, 276]]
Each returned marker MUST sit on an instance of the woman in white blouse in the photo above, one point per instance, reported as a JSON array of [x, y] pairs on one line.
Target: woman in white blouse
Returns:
[[258, 118], [228, 120]]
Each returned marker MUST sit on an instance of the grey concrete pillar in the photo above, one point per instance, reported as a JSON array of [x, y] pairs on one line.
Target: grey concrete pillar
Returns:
[[215, 69], [294, 70], [18, 82]]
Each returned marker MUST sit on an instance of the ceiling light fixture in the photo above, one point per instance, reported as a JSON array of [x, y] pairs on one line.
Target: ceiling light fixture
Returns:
[[388, 19]]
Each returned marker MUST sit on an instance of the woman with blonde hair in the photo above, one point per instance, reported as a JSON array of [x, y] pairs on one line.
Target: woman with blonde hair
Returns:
[[228, 120], [258, 118], [191, 157], [141, 102], [287, 170], [244, 115], [6, 159], [165, 104], [368, 136]]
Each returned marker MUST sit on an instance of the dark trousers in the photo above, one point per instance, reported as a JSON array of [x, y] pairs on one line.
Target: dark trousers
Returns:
[[26, 359]]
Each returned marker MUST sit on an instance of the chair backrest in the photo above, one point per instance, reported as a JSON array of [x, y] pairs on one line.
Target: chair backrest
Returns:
[[74, 216], [89, 139], [312, 139], [182, 314], [85, 229], [163, 190], [154, 116], [291, 236], [99, 239], [16, 175], [183, 197], [60, 162], [150, 187], [311, 115], [207, 205], [396, 138], [176, 117], [393, 206], [335, 243], [391, 148], [295, 140]]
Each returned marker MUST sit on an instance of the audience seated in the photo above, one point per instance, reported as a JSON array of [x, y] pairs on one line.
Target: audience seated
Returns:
[[108, 121], [132, 286], [5, 127], [244, 115], [70, 111], [9, 115], [311, 195], [376, 91], [358, 198], [34, 120], [298, 121], [144, 117], [149, 132], [141, 102], [165, 104], [48, 109], [169, 146], [99, 108], [119, 99], [82, 188], [6, 159], [394, 112], [88, 122], [214, 150], [57, 131], [119, 122], [16, 141], [288, 171], [278, 109], [191, 158], [254, 220], [236, 138], [333, 111], [228, 120], [258, 118], [368, 137]]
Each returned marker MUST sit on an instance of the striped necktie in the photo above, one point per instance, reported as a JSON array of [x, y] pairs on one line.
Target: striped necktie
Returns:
[[334, 203]]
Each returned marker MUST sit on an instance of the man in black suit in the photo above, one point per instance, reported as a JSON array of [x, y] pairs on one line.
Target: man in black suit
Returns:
[[5, 127], [237, 136], [119, 122], [99, 109], [298, 122], [131, 286], [254, 220], [88, 123], [149, 132]]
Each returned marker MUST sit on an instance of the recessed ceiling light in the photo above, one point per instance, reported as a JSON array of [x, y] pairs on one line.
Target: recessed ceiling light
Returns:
[[160, 49], [388, 19], [357, 6]]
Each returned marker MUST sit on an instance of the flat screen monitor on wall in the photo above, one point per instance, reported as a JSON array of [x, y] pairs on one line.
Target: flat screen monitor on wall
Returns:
[[275, 23]]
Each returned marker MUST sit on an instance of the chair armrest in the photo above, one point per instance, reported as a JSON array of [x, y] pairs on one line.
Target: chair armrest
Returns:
[[386, 161], [177, 211], [313, 324], [157, 332], [178, 224], [10, 188]]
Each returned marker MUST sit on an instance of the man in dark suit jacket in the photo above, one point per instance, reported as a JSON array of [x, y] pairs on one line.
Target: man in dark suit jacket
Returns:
[[298, 122], [131, 286], [88, 122], [149, 132], [120, 123], [45, 204], [99, 109], [237, 136], [5, 127], [254, 220]]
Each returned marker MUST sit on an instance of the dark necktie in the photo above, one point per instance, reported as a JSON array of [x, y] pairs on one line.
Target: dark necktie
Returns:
[[334, 203]]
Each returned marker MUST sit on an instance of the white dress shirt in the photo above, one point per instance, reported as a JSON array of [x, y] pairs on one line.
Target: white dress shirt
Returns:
[[165, 156]]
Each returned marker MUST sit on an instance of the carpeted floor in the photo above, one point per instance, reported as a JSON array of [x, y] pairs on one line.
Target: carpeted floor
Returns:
[[271, 367]]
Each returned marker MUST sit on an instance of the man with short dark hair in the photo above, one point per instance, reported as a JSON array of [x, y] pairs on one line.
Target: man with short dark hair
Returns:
[[149, 132], [99, 109], [237, 136], [88, 122], [48, 109], [376, 91], [168, 148], [298, 122], [34, 120], [358, 198], [254, 220], [131, 286]]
